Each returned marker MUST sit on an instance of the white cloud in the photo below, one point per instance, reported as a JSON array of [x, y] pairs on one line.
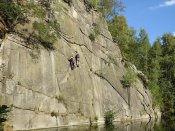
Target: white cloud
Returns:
[[165, 4]]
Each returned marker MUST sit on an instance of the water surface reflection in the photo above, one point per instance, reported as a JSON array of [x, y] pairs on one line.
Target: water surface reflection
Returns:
[[127, 126]]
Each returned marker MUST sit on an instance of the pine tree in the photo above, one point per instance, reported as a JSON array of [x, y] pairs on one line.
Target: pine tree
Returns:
[[154, 57], [144, 46], [167, 77]]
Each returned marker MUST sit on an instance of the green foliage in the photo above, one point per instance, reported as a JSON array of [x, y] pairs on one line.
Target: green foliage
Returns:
[[95, 33], [124, 37], [157, 95], [157, 62], [109, 117], [46, 33], [11, 13], [110, 8], [168, 98], [3, 113], [94, 3], [45, 36], [92, 37], [96, 29], [128, 79], [39, 12], [144, 46], [55, 27]]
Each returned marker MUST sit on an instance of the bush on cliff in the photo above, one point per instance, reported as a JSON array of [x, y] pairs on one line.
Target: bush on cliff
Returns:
[[109, 117], [11, 13], [128, 79], [3, 114]]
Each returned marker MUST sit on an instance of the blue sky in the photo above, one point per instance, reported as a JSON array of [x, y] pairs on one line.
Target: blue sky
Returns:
[[155, 16]]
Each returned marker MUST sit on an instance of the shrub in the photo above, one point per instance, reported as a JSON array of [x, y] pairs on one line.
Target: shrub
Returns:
[[95, 32], [109, 117], [94, 3], [11, 13], [45, 36], [55, 26], [92, 37], [128, 79], [39, 12], [96, 118], [96, 29], [3, 113]]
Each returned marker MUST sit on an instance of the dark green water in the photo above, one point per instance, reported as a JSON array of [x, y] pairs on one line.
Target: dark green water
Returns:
[[131, 126]]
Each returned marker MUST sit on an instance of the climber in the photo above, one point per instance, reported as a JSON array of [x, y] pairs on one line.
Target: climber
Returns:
[[77, 58], [72, 63]]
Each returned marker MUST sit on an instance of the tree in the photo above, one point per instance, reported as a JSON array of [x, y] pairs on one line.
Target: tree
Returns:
[[110, 8], [167, 75], [118, 27], [168, 62], [144, 46], [154, 58], [121, 33], [168, 98]]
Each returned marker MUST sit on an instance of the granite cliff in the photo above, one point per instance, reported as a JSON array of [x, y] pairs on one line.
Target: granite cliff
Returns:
[[44, 92]]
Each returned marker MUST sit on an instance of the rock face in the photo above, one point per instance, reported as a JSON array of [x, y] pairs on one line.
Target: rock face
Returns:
[[44, 92]]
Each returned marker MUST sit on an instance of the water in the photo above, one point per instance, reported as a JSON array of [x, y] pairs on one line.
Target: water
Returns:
[[129, 126]]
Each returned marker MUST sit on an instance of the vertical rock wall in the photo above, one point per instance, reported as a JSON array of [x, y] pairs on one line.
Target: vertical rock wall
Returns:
[[44, 92]]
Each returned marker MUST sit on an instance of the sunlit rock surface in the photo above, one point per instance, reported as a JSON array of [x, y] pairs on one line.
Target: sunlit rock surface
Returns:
[[44, 92]]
